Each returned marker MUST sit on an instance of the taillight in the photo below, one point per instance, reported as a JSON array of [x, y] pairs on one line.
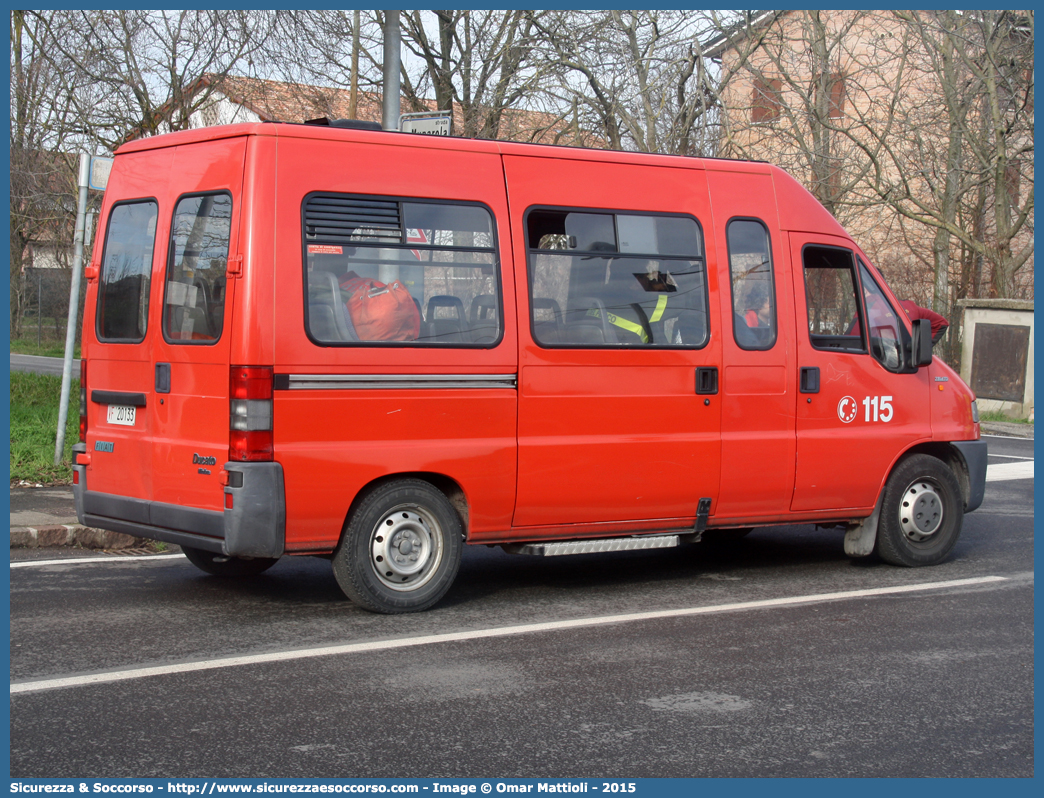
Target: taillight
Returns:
[[83, 400], [250, 413]]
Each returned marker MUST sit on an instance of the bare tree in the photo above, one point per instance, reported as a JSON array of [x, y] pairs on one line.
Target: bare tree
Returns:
[[42, 199], [145, 68], [806, 85], [638, 80], [485, 66], [914, 128], [311, 52], [964, 165]]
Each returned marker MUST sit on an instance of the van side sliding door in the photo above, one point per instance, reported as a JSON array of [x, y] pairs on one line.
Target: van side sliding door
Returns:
[[619, 359]]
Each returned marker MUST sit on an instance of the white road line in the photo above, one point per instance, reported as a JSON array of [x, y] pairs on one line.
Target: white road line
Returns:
[[81, 560], [1010, 456], [1004, 471], [477, 634], [1008, 437]]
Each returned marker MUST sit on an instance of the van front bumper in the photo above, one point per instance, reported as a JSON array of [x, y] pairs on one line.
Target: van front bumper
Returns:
[[253, 523], [974, 455]]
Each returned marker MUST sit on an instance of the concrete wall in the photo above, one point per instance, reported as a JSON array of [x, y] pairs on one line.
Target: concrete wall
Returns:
[[1006, 314]]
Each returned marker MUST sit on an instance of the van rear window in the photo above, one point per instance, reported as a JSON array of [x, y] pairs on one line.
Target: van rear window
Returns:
[[399, 271], [123, 286], [194, 295], [600, 279]]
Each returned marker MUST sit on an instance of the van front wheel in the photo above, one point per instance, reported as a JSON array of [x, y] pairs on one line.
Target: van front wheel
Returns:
[[219, 565], [401, 549], [922, 513]]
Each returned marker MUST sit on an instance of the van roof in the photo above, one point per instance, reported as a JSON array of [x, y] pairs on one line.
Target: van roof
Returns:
[[331, 133], [798, 209]]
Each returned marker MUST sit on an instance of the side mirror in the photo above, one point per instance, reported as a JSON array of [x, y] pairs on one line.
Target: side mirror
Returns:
[[922, 342]]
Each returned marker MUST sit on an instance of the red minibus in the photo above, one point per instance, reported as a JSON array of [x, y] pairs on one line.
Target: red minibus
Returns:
[[377, 347]]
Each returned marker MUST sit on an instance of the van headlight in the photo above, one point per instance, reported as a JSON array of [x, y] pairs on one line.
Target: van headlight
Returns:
[[975, 411]]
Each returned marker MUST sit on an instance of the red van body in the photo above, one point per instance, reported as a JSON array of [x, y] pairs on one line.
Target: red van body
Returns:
[[306, 339]]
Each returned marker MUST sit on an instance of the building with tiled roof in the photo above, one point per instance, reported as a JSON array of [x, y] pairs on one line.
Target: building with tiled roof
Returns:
[[233, 99]]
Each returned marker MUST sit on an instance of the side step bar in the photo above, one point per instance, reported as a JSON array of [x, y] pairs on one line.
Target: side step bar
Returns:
[[563, 547]]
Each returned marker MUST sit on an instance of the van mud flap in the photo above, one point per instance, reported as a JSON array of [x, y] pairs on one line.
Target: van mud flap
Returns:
[[860, 538]]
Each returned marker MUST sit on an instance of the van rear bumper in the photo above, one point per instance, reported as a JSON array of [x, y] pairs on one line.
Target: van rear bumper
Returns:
[[254, 525]]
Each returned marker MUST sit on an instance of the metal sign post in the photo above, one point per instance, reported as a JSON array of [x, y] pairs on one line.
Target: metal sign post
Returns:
[[94, 173], [430, 123], [392, 56]]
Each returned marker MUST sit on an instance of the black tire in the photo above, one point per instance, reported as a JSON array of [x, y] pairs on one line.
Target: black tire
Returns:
[[922, 513], [401, 549], [220, 565]]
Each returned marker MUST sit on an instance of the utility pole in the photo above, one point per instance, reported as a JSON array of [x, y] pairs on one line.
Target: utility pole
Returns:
[[390, 119], [74, 304], [353, 102]]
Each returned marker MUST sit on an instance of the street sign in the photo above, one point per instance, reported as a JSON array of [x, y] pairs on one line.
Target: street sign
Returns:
[[99, 175], [429, 123]]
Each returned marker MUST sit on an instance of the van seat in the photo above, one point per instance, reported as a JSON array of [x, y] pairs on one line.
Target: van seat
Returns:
[[321, 323], [334, 324], [189, 323], [483, 319], [446, 330], [582, 332]]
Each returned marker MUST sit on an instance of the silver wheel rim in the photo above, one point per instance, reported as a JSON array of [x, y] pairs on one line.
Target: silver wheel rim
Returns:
[[406, 548], [921, 511]]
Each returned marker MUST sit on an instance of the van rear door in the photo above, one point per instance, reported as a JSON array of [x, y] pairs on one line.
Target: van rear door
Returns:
[[118, 330], [191, 343]]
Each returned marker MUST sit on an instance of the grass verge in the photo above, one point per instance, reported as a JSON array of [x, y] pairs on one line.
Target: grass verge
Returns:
[[34, 424], [27, 346], [997, 415]]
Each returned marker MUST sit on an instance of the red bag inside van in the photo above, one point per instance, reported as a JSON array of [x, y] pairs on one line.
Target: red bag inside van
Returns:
[[381, 312]]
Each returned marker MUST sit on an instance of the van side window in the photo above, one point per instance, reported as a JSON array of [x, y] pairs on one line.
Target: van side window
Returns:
[[194, 296], [600, 279], [753, 288], [400, 271], [126, 271], [885, 331], [834, 313]]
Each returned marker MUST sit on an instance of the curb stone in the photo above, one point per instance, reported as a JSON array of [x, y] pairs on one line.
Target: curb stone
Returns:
[[1006, 428], [53, 536]]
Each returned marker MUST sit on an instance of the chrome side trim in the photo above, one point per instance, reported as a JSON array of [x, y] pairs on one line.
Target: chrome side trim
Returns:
[[400, 381]]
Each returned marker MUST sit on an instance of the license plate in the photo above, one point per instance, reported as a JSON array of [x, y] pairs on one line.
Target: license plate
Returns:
[[121, 414]]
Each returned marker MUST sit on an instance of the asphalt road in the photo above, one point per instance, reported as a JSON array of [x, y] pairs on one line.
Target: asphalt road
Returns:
[[933, 681], [42, 365]]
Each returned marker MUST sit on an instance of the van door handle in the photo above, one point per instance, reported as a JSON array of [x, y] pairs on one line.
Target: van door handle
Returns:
[[118, 398], [163, 378], [707, 380], [810, 379]]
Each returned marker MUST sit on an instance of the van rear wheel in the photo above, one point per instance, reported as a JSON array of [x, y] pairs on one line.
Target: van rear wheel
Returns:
[[220, 565], [922, 513], [401, 549]]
